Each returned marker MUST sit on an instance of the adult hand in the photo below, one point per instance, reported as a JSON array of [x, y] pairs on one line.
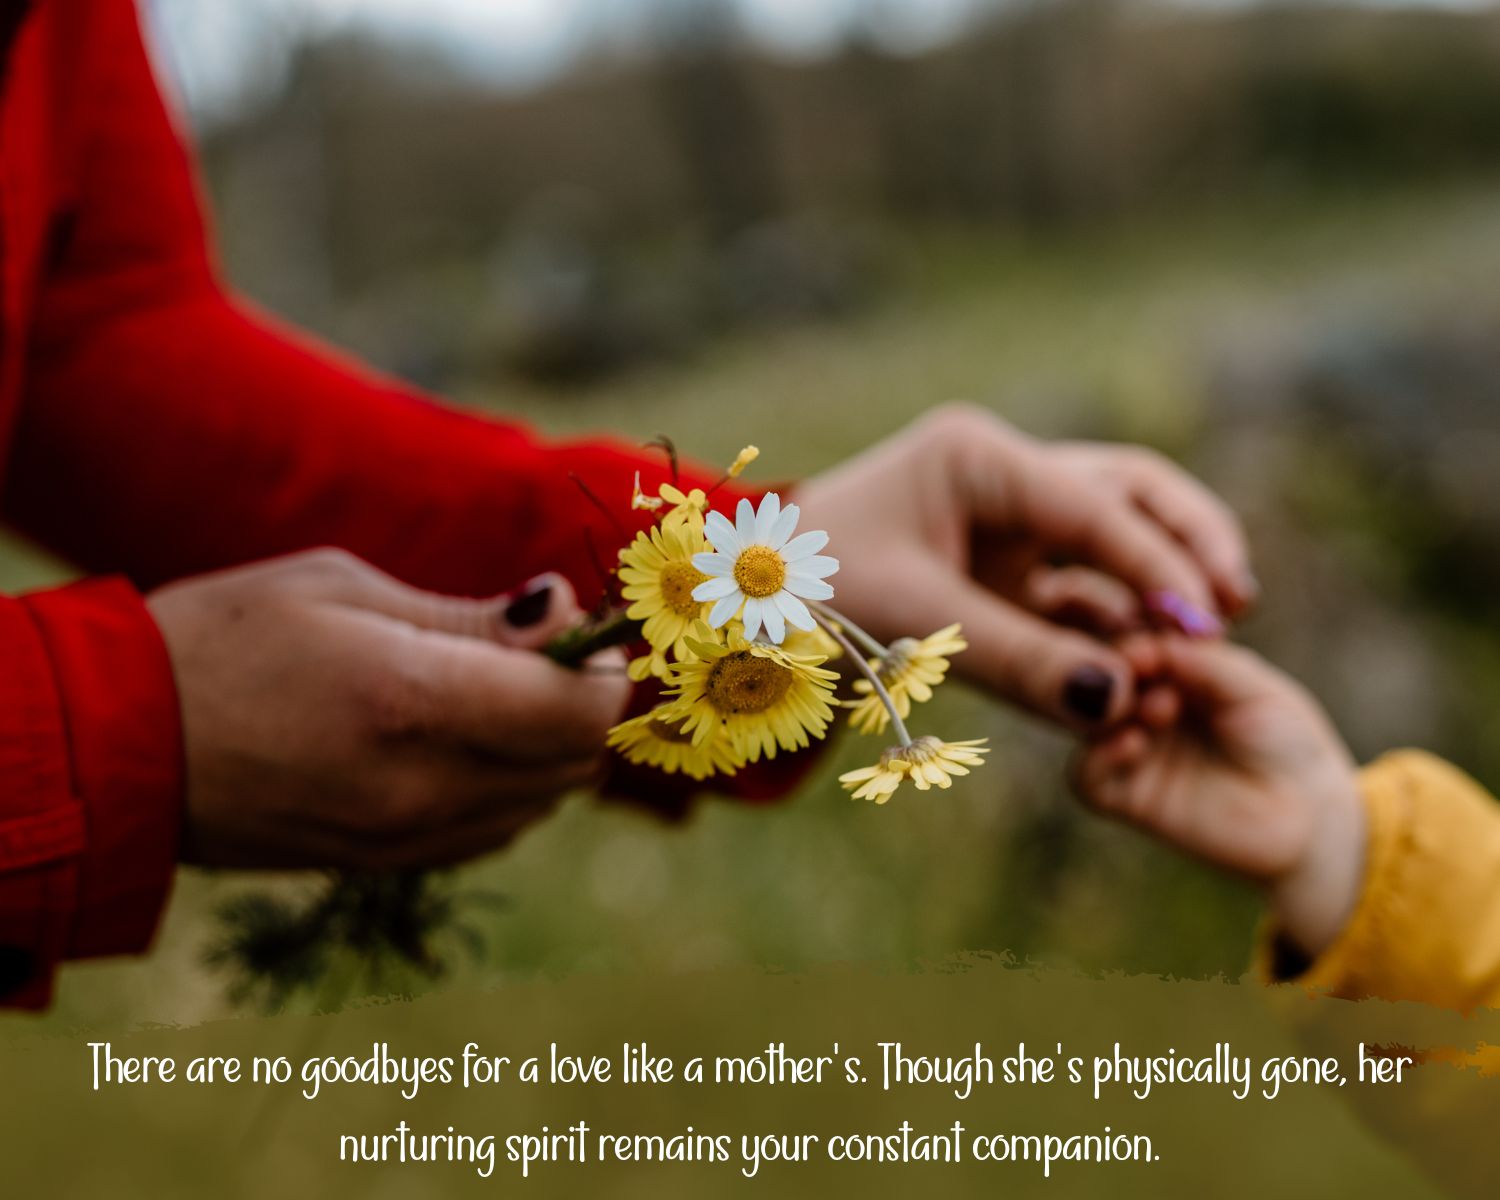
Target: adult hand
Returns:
[[962, 518], [336, 717]]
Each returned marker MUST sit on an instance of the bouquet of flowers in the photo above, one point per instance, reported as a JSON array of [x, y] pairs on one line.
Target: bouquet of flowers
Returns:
[[737, 624], [734, 620]]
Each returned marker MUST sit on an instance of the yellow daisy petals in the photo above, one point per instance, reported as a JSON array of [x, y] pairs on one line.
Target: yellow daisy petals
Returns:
[[654, 741], [659, 577], [760, 697], [928, 762], [911, 668]]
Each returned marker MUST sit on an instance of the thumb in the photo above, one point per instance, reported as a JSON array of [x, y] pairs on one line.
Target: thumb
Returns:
[[1056, 672], [530, 616]]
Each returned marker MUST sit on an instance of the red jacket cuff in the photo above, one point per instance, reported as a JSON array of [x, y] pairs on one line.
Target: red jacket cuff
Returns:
[[41, 821], [107, 739]]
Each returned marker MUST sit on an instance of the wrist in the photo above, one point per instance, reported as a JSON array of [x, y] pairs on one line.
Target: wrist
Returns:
[[1313, 901]]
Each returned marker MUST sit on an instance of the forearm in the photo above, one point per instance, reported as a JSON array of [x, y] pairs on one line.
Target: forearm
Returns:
[[190, 435]]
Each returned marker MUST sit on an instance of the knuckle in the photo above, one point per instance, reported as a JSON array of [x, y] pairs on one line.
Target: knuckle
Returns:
[[330, 564], [1141, 466], [1148, 459], [959, 421]]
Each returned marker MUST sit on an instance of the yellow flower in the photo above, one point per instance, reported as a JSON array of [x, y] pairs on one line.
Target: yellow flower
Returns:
[[910, 670], [742, 460], [660, 743], [687, 508], [927, 762], [659, 577], [758, 696]]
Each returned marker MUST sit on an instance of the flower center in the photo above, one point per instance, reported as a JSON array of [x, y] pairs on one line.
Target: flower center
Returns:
[[921, 750], [759, 571], [667, 732], [678, 579], [742, 682], [897, 658]]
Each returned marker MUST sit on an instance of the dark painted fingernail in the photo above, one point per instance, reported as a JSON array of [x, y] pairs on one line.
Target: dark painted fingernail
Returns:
[[1185, 615], [1087, 693], [530, 604]]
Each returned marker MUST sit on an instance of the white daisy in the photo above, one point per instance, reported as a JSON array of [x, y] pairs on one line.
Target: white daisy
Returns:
[[758, 564]]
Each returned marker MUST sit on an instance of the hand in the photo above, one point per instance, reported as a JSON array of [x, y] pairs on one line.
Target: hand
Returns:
[[336, 717], [1233, 762], [962, 518]]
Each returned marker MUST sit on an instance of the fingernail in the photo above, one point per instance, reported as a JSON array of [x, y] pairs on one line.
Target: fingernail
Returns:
[[1249, 587], [1087, 693], [529, 604], [1187, 616]]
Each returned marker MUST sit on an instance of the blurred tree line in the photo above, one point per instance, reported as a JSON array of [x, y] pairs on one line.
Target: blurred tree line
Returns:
[[642, 203]]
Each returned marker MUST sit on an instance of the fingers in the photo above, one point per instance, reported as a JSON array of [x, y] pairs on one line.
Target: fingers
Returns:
[[513, 703], [1083, 599], [432, 811], [442, 813], [466, 672], [1220, 674], [1143, 651], [1021, 485], [537, 611], [1105, 774], [490, 831], [1056, 672], [527, 618], [1197, 517], [1159, 707], [1170, 535], [1192, 513], [1092, 524]]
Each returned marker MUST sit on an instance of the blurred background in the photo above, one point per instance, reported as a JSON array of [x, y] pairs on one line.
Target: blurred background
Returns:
[[1263, 238]]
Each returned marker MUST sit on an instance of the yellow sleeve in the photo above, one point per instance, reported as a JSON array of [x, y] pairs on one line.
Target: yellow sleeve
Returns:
[[1427, 924]]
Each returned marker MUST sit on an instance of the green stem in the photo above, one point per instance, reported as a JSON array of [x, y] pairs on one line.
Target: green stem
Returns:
[[837, 634], [572, 647], [870, 644]]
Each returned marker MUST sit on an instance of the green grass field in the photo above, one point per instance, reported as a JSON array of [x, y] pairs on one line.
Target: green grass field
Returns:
[[1103, 334]]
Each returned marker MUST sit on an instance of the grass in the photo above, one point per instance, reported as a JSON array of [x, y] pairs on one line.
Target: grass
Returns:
[[1105, 333]]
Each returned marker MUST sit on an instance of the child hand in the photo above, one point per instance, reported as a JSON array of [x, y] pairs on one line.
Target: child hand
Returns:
[[1233, 762]]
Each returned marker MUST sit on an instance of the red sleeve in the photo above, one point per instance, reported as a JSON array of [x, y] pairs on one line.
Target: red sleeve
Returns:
[[149, 385], [168, 428], [91, 762]]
